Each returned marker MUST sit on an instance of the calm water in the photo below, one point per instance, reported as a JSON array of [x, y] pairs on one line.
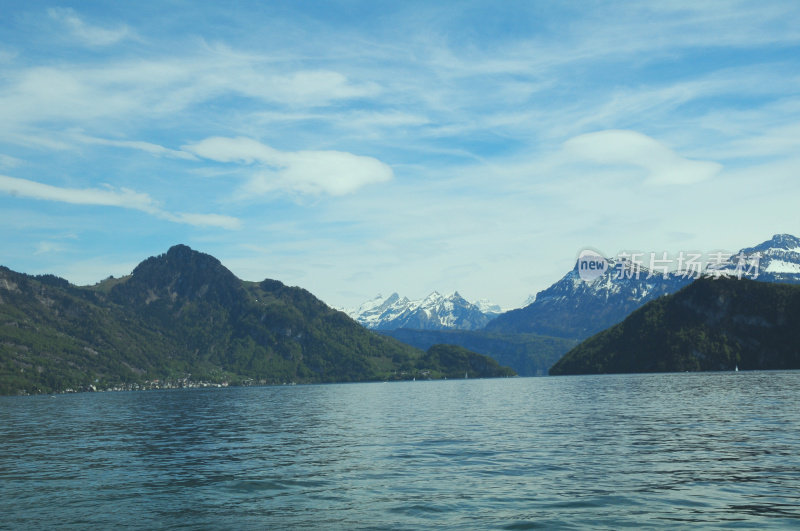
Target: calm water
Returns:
[[721, 450]]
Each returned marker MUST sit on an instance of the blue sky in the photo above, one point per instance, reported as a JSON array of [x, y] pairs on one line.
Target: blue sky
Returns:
[[356, 148]]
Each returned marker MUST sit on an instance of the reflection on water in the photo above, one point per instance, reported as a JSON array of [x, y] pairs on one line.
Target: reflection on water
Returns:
[[598, 451]]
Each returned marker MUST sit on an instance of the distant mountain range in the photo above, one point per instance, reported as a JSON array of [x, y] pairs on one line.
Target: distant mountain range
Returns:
[[434, 312], [574, 308], [721, 324], [532, 338], [182, 317]]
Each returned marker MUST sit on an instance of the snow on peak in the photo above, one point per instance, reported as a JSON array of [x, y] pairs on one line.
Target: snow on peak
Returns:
[[778, 257], [779, 242], [488, 307], [433, 312], [434, 297]]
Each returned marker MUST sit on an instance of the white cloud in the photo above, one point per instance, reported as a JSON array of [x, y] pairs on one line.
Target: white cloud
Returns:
[[7, 161], [630, 148], [129, 91], [310, 87], [307, 172], [47, 247], [88, 196], [241, 150], [472, 117], [204, 220], [122, 198], [91, 35], [153, 149]]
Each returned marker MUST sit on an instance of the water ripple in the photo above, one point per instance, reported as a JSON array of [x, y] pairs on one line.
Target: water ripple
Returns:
[[703, 450]]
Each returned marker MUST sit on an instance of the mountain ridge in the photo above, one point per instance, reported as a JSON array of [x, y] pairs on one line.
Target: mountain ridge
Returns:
[[182, 315], [434, 312], [573, 308], [577, 309]]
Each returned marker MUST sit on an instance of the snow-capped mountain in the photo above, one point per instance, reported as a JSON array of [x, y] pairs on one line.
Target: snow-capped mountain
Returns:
[[434, 312], [574, 308], [775, 260], [488, 308]]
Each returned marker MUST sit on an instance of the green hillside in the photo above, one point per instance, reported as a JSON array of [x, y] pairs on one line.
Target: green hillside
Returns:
[[527, 354], [183, 317], [711, 325]]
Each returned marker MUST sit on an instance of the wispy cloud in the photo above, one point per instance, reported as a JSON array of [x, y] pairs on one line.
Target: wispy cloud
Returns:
[[203, 220], [87, 33], [305, 172], [629, 148], [134, 91], [407, 140], [47, 247], [122, 198], [148, 147], [7, 161]]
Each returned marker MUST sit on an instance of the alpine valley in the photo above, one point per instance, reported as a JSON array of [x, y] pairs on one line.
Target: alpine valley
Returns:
[[453, 320], [533, 338], [181, 319]]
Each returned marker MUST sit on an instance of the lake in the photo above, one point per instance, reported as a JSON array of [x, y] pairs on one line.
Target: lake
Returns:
[[663, 450]]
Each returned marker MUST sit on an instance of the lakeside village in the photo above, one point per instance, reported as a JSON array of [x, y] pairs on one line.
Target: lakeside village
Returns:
[[156, 384], [187, 383]]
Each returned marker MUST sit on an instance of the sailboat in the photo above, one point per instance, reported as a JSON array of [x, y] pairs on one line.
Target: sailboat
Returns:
[[465, 375], [736, 369]]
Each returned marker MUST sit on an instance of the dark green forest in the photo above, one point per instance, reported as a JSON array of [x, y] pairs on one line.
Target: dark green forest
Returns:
[[711, 325]]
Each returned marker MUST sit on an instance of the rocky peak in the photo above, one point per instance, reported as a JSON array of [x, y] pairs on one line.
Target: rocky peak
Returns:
[[180, 273], [785, 242]]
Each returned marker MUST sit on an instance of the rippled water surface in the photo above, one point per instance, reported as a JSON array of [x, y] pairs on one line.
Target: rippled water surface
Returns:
[[667, 450]]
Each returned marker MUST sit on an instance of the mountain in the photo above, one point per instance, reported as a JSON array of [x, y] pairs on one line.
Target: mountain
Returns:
[[434, 312], [527, 354], [453, 361], [775, 260], [574, 308], [183, 317], [488, 308], [711, 325]]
